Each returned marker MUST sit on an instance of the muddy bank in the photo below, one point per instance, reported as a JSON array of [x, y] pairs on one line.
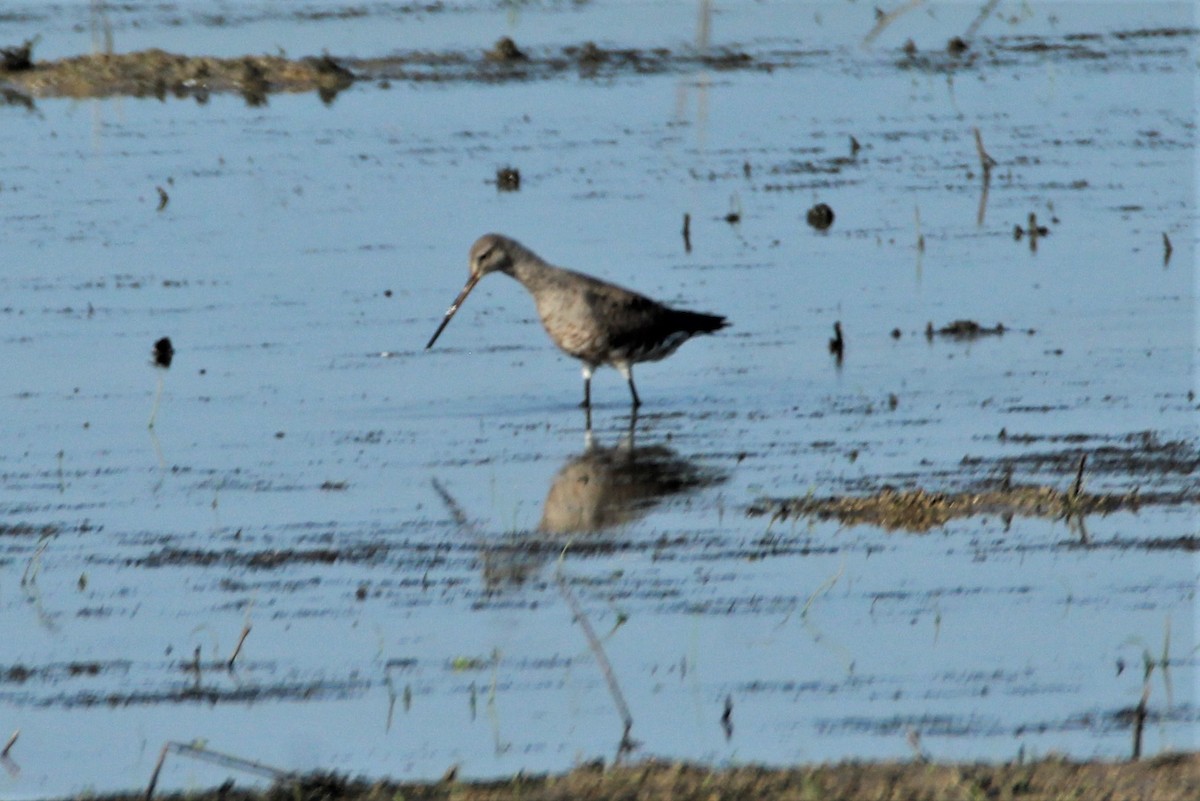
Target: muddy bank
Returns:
[[156, 73], [1162, 779]]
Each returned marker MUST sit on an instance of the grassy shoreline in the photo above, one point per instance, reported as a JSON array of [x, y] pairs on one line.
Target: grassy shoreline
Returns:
[[1169, 777]]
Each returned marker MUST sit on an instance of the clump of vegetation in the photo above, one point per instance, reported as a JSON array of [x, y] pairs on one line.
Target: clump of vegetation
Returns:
[[919, 510]]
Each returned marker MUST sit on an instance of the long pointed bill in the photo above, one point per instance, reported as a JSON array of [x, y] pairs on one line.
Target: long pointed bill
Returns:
[[471, 282]]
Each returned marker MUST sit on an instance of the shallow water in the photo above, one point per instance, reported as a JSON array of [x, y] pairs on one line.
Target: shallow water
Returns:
[[402, 530]]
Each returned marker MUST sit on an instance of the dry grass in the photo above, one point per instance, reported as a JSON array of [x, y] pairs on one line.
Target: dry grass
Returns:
[[1170, 778]]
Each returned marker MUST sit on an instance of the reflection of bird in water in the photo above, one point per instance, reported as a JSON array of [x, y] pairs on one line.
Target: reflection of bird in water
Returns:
[[606, 487], [599, 489]]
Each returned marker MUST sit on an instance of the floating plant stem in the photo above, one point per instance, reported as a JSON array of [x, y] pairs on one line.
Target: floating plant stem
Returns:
[[163, 353]]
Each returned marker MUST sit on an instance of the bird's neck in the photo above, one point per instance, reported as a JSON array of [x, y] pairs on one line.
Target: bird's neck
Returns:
[[533, 273]]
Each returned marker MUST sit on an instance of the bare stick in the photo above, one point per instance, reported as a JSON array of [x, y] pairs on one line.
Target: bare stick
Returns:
[[825, 587], [196, 665], [217, 758], [884, 19], [456, 511], [1077, 487], [985, 160], [920, 236], [1140, 713], [11, 741], [597, 651], [158, 766], [984, 13], [157, 398], [238, 649], [983, 198], [34, 565]]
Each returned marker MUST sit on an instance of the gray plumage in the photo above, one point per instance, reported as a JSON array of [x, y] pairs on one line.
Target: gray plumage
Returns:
[[592, 320]]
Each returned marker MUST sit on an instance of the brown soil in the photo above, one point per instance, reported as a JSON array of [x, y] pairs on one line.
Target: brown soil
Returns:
[[1167, 778]]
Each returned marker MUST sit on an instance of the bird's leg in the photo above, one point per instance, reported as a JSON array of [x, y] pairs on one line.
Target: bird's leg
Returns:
[[627, 371], [587, 390]]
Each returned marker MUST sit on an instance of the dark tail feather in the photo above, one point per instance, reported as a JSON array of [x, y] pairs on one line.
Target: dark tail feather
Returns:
[[699, 323]]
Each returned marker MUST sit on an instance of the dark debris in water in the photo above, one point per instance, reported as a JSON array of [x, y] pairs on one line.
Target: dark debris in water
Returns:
[[260, 560], [820, 216], [58, 671], [506, 50], [191, 693], [1142, 455], [164, 351], [27, 530], [969, 329], [18, 58]]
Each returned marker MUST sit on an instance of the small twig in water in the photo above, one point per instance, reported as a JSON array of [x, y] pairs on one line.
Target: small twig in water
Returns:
[[837, 345], [195, 666], [985, 160], [238, 648], [163, 353], [1077, 487], [217, 758], [886, 18], [601, 659], [456, 512], [913, 736], [984, 13], [34, 565], [11, 741], [1140, 712], [825, 587]]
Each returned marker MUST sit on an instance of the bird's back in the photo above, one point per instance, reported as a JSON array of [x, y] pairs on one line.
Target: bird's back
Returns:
[[602, 323]]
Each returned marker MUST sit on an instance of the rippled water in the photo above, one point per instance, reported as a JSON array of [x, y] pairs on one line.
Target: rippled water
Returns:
[[409, 535]]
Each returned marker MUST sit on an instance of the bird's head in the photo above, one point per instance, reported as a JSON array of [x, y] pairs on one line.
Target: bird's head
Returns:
[[490, 253]]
